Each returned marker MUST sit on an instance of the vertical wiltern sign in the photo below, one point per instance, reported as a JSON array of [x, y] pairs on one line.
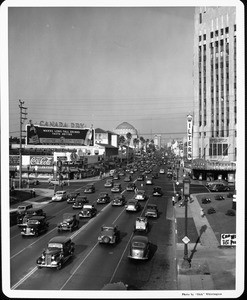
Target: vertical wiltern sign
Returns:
[[189, 136]]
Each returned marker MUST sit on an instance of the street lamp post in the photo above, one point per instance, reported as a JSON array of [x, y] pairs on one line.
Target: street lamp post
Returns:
[[186, 194]]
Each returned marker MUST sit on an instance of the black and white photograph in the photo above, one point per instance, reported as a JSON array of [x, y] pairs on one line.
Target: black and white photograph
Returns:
[[122, 149]]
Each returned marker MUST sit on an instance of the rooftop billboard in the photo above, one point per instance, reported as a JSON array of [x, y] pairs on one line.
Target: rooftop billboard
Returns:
[[42, 135]]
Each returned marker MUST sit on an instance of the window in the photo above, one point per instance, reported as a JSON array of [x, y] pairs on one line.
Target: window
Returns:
[[200, 38], [221, 31], [227, 30], [211, 34], [216, 32], [204, 37], [200, 18], [219, 149], [235, 27], [225, 149]]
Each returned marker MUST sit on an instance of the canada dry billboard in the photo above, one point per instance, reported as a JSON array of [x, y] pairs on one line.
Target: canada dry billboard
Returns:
[[41, 135]]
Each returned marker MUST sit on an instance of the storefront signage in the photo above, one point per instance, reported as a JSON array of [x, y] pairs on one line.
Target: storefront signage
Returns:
[[61, 124], [218, 140], [189, 136], [41, 161], [228, 239], [37, 135]]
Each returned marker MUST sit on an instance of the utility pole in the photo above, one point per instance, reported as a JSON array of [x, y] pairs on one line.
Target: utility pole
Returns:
[[23, 114]]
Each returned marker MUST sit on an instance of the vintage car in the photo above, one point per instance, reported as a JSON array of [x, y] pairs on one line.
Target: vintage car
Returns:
[[60, 196], [89, 189], [141, 224], [118, 200], [162, 171], [148, 171], [128, 178], [88, 211], [131, 187], [72, 197], [132, 205], [141, 195], [108, 183], [157, 191], [140, 177], [109, 235], [117, 188], [219, 187], [151, 211], [79, 202], [21, 209], [116, 176], [35, 226], [23, 218], [103, 198], [219, 197], [155, 175], [139, 247], [58, 251], [69, 223], [149, 180], [121, 172], [206, 200]]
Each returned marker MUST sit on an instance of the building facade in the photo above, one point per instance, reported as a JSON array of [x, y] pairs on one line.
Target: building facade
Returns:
[[215, 94]]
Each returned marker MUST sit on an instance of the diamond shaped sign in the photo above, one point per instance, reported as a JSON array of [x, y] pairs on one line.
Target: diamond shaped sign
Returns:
[[186, 240]]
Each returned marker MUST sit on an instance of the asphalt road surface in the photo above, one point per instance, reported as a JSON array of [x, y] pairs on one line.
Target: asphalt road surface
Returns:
[[94, 264]]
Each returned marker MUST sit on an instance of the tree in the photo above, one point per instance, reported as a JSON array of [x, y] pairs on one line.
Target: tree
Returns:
[[142, 141], [121, 142], [128, 136], [135, 142]]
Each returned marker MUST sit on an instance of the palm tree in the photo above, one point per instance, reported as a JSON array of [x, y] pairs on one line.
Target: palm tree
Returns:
[[147, 141], [142, 141], [135, 142], [121, 142], [128, 136]]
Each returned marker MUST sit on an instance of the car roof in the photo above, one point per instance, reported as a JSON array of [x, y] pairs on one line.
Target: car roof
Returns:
[[140, 238], [33, 209], [157, 187], [153, 205], [59, 239], [37, 218]]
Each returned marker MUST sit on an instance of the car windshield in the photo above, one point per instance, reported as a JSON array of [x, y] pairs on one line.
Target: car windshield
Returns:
[[151, 207], [73, 195], [138, 245], [59, 193], [107, 228], [55, 246], [102, 194]]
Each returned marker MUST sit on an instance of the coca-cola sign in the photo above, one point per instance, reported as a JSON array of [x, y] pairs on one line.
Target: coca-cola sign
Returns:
[[41, 160]]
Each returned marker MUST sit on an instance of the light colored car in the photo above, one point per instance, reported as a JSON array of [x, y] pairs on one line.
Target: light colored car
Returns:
[[60, 196], [139, 247], [108, 183], [141, 195], [88, 211], [162, 171], [117, 188], [132, 205], [149, 180], [141, 224]]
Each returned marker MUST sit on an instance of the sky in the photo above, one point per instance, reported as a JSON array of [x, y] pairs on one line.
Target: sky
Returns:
[[102, 66]]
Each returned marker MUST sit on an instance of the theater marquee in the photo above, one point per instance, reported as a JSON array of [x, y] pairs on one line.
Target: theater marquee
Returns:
[[189, 136]]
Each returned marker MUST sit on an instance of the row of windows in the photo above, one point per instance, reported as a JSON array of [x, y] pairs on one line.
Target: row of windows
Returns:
[[216, 33], [218, 149]]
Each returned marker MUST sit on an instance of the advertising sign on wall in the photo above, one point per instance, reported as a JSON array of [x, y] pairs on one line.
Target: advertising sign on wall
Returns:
[[189, 136], [41, 135]]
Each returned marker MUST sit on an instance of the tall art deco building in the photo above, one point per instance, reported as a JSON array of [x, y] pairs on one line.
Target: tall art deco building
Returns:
[[215, 95]]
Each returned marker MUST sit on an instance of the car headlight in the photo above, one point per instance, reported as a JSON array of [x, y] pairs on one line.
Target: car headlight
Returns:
[[42, 256]]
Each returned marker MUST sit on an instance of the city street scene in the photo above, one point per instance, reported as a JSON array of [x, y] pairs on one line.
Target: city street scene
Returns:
[[123, 146]]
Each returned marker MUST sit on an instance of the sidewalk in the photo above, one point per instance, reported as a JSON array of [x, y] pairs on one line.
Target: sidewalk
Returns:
[[212, 267]]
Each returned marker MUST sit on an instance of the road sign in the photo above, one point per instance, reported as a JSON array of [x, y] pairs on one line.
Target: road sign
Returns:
[[185, 240]]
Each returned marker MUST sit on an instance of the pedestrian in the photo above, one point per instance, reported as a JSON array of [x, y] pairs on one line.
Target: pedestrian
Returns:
[[34, 192], [202, 212], [173, 200], [136, 190]]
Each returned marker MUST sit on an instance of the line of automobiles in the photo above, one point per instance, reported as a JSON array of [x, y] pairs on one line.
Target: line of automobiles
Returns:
[[60, 248]]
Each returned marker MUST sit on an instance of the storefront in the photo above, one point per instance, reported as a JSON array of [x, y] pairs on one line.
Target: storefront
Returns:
[[212, 170]]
